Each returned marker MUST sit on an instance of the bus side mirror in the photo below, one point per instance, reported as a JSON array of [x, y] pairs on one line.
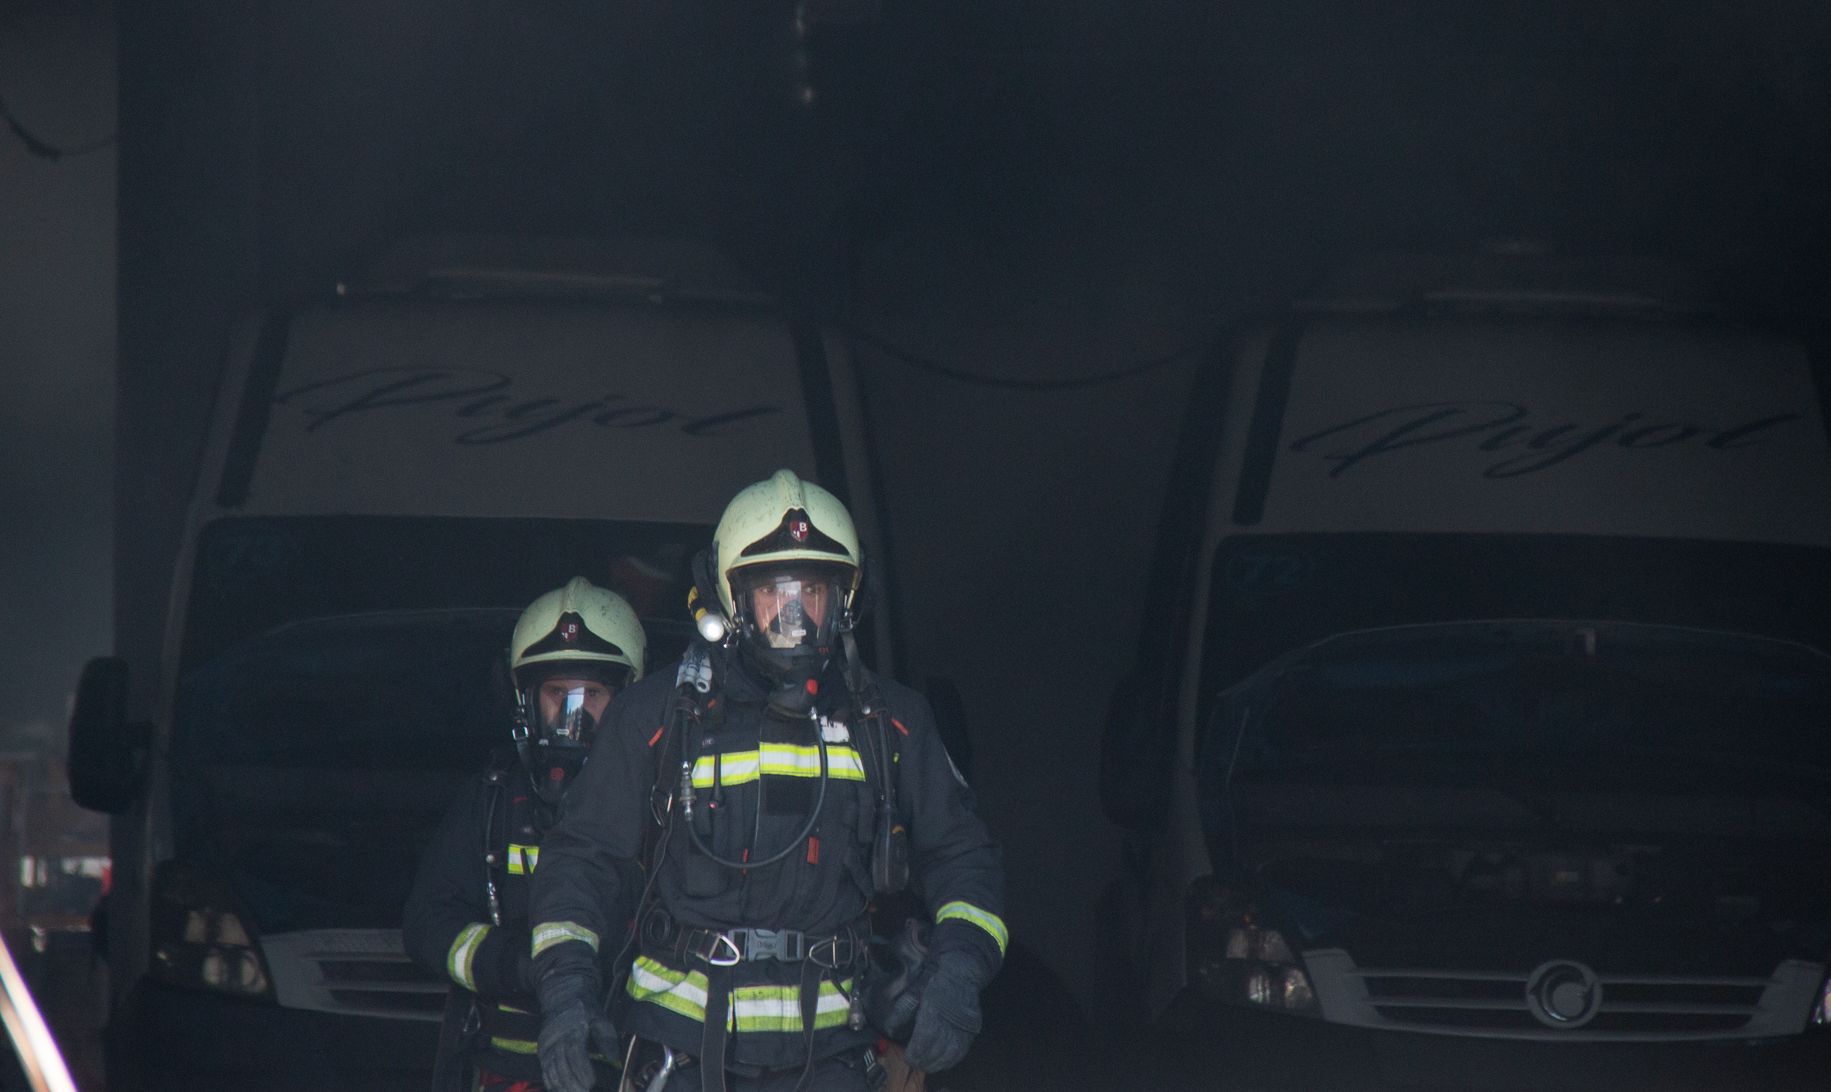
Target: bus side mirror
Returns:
[[107, 751]]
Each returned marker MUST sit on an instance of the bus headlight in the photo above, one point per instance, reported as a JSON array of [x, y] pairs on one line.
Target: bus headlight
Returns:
[[1235, 959], [200, 940]]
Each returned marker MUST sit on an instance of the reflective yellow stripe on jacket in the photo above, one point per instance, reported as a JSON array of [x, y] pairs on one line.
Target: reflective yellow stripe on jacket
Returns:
[[778, 759], [548, 934], [985, 919], [522, 860], [463, 954], [515, 1046], [510, 1045], [753, 1008]]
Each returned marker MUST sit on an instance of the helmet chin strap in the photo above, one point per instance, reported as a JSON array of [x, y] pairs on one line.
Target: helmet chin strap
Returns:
[[524, 749]]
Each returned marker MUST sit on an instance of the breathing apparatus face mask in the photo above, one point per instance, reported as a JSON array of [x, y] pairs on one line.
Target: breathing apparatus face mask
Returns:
[[790, 619], [562, 714], [790, 611], [566, 716]]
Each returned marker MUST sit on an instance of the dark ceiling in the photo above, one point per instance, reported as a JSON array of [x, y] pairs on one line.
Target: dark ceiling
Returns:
[[1246, 140]]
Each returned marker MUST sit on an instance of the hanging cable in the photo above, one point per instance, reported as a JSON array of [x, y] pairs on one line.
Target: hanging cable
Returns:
[[687, 794]]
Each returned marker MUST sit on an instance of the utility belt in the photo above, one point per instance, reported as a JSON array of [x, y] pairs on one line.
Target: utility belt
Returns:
[[848, 949], [819, 957]]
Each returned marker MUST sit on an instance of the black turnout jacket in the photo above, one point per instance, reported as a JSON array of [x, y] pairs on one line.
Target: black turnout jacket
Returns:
[[756, 779], [447, 924]]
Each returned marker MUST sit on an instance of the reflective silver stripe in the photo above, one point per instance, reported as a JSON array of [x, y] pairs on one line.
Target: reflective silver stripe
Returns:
[[550, 933], [985, 919], [463, 953], [778, 1008]]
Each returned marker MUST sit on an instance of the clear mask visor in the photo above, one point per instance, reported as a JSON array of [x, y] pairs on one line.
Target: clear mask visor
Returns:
[[567, 715], [572, 723], [792, 610]]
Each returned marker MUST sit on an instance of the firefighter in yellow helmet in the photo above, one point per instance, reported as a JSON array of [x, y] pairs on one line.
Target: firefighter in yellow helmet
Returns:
[[571, 651], [736, 818]]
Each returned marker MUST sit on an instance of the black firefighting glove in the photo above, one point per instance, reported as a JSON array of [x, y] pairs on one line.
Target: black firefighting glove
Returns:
[[947, 1015], [572, 1025]]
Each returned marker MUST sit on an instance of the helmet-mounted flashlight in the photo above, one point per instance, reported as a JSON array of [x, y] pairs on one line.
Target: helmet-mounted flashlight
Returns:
[[711, 626], [710, 623]]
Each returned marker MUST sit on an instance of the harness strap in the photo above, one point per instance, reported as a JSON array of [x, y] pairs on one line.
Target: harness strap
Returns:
[[494, 861], [661, 814], [845, 950], [890, 841], [715, 1034], [811, 974]]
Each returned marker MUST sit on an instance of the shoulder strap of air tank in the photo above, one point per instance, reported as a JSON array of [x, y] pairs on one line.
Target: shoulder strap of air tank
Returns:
[[495, 849], [689, 701], [868, 705], [889, 843]]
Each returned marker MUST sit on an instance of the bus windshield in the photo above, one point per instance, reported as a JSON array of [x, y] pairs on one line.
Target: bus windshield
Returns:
[[1272, 594], [253, 574], [1503, 691], [345, 676]]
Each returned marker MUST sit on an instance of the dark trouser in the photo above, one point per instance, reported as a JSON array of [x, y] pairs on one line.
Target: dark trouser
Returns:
[[853, 1071]]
